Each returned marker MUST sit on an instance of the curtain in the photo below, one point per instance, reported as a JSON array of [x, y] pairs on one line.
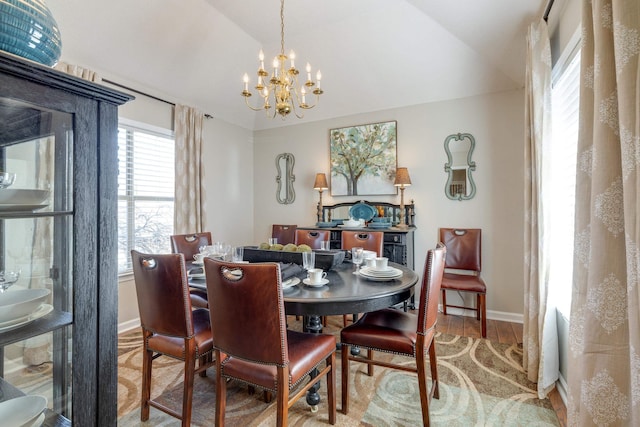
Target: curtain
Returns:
[[78, 71], [604, 331], [540, 343], [190, 197]]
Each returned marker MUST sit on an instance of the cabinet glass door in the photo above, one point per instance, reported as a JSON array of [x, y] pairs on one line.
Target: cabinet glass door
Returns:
[[36, 257]]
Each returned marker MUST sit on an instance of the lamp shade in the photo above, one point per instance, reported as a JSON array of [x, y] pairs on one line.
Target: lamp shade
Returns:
[[321, 182], [402, 177]]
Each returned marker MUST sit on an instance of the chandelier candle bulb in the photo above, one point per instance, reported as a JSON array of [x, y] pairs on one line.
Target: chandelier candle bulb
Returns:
[[318, 78], [292, 55]]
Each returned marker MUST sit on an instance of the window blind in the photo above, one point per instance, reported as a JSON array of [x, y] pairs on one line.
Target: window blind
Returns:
[[565, 100], [145, 192]]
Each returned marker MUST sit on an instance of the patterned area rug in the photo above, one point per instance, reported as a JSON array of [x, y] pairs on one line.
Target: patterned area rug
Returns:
[[481, 383]]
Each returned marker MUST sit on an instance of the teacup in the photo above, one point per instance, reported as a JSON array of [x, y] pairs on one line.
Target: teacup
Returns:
[[370, 262], [316, 275], [198, 258], [382, 263]]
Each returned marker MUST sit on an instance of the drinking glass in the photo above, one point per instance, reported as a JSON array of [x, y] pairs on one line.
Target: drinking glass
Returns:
[[237, 254], [273, 241], [225, 250], [308, 260], [8, 278], [357, 256], [325, 245]]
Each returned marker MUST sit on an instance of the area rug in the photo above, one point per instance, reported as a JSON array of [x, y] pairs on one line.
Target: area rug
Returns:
[[481, 384]]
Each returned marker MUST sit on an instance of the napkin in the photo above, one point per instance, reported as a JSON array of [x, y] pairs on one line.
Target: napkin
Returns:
[[289, 270]]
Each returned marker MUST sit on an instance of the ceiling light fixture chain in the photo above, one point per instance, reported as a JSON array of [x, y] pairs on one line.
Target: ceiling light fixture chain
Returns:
[[282, 88]]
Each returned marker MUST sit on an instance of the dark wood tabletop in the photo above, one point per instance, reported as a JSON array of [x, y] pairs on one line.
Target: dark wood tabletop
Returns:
[[346, 293]]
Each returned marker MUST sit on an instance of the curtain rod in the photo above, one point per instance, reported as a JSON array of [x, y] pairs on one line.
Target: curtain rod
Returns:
[[547, 10], [208, 116]]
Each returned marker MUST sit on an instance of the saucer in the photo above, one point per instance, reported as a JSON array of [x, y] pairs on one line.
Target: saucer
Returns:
[[197, 263], [315, 285], [289, 283]]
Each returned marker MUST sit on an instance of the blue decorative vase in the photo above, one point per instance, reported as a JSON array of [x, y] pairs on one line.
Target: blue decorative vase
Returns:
[[27, 29]]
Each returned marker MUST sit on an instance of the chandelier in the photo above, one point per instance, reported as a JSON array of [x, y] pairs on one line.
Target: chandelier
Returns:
[[282, 89]]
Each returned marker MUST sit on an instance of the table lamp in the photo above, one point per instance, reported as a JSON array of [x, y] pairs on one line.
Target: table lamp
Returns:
[[320, 185], [402, 180]]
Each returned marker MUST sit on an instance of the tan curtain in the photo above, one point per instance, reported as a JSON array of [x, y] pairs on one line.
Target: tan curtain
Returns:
[[190, 197], [540, 358], [78, 71], [604, 335]]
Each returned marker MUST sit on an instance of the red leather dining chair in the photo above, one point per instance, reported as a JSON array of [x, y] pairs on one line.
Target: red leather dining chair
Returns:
[[312, 237], [256, 348], [397, 332], [464, 256], [170, 326], [284, 233], [369, 240], [189, 245]]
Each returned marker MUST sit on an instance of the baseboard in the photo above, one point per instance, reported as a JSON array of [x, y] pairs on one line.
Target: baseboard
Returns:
[[128, 325], [562, 387], [491, 314]]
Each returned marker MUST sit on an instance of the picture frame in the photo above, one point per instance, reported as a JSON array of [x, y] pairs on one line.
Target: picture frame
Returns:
[[363, 159]]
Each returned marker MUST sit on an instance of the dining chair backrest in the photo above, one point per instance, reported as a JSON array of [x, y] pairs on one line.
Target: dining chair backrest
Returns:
[[430, 289], [284, 233], [163, 293], [248, 321], [463, 248], [369, 240], [312, 238], [189, 244]]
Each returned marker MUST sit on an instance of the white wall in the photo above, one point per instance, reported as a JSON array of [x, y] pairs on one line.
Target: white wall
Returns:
[[228, 178], [496, 122]]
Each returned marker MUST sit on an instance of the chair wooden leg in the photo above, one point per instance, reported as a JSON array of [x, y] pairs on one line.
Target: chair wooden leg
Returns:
[[282, 396], [444, 301], [187, 393], [478, 305], [483, 307], [370, 365], [221, 393], [345, 378], [344, 320], [331, 388], [433, 362], [147, 361], [422, 382]]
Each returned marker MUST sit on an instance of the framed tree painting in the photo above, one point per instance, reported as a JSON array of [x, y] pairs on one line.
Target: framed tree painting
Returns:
[[363, 159]]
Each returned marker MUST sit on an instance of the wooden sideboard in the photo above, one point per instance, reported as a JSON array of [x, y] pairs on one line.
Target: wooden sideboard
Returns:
[[398, 242]]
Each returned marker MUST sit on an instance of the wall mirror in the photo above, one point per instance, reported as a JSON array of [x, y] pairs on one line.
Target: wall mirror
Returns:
[[285, 194], [459, 148]]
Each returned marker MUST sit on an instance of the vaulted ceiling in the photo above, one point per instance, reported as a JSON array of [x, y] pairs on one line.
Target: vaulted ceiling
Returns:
[[373, 54]]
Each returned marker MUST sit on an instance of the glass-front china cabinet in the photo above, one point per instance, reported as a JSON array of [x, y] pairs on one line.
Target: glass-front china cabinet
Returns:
[[58, 246]]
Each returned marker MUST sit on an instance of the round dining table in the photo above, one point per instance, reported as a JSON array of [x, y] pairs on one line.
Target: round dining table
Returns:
[[346, 293]]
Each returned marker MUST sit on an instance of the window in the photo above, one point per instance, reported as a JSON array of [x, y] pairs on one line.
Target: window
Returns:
[[145, 191], [565, 100]]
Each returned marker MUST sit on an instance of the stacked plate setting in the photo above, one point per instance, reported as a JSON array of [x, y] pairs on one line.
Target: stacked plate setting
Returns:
[[19, 307], [390, 273]]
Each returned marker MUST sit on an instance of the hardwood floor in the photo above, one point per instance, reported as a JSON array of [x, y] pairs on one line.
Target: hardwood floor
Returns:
[[497, 331]]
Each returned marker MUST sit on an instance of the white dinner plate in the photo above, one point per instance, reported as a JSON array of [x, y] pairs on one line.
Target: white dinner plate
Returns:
[[197, 276], [22, 410], [196, 263], [380, 279], [289, 283], [315, 285], [389, 272], [43, 310]]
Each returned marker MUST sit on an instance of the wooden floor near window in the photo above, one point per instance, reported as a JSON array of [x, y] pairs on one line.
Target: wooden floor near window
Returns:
[[497, 331]]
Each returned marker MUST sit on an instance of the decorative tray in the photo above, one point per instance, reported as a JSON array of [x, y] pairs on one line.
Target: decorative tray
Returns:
[[325, 260], [362, 211]]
